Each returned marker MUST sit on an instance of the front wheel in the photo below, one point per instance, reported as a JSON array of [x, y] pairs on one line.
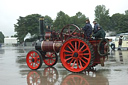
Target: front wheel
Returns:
[[34, 59]]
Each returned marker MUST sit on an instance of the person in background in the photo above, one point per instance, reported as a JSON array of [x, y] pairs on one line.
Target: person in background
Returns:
[[87, 29], [95, 27], [120, 42]]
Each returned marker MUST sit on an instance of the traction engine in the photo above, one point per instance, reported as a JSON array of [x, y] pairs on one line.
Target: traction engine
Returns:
[[76, 52]]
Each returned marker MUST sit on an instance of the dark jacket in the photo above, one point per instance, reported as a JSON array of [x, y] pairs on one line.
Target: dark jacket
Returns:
[[100, 34], [95, 28], [87, 29]]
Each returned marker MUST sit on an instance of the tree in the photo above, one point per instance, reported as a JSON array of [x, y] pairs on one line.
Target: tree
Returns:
[[124, 24], [25, 25], [116, 21], [78, 19], [102, 16], [48, 20], [119, 22], [1, 37], [126, 12], [62, 19]]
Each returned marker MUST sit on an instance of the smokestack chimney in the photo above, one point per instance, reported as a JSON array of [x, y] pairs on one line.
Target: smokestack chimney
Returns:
[[41, 28]]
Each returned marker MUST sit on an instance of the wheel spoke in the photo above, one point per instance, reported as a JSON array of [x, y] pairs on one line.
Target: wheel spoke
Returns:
[[84, 50], [36, 55], [67, 51], [49, 60], [74, 30], [53, 60], [71, 45], [68, 55], [31, 54], [82, 47], [85, 58], [68, 59], [82, 60], [77, 64], [78, 45], [74, 81], [36, 63], [84, 54], [70, 48], [69, 30], [75, 45], [32, 64], [73, 64], [80, 64], [71, 61]]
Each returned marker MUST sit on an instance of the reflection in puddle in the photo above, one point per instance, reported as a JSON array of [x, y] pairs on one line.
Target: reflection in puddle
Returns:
[[116, 66], [2, 51], [50, 76], [34, 78], [74, 79], [119, 56]]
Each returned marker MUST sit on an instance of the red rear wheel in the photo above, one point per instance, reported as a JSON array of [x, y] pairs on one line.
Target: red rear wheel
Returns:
[[34, 59], [50, 58], [76, 55]]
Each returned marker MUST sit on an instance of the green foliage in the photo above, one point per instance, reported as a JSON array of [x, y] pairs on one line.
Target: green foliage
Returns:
[[1, 37], [48, 20], [25, 25], [62, 19], [119, 23], [126, 12], [102, 16], [78, 19], [30, 24], [116, 21]]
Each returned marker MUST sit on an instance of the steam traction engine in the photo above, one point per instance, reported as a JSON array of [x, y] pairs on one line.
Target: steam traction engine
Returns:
[[76, 52]]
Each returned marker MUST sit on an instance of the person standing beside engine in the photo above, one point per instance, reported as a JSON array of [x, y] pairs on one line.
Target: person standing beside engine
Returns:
[[87, 29]]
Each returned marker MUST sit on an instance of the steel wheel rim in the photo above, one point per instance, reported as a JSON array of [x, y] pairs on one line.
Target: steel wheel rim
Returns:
[[50, 58], [76, 58], [33, 60]]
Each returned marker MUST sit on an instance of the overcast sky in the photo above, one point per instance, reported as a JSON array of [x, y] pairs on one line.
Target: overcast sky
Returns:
[[10, 10]]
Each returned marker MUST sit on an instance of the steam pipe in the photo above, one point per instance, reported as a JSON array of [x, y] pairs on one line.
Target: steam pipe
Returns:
[[41, 28]]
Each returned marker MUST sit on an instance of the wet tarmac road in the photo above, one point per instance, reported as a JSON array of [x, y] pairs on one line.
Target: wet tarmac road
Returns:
[[14, 71]]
